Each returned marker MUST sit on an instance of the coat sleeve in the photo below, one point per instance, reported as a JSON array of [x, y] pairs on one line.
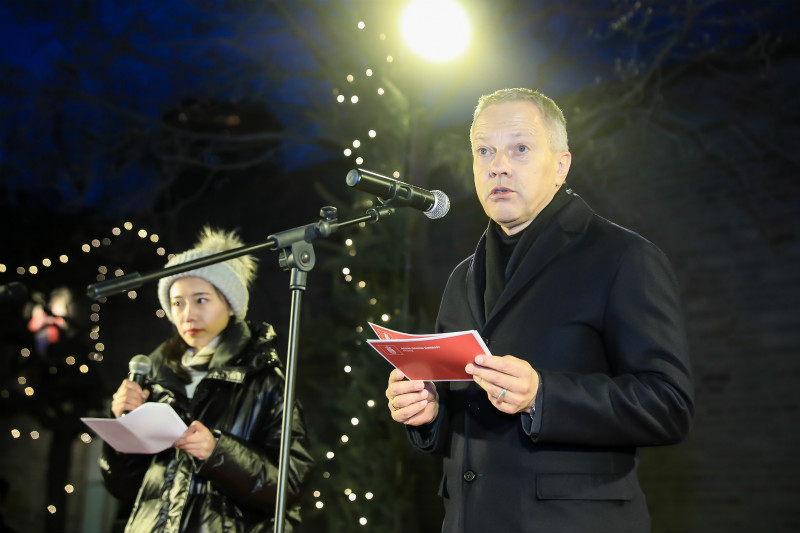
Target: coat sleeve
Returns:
[[647, 397], [247, 471], [122, 472], [433, 437]]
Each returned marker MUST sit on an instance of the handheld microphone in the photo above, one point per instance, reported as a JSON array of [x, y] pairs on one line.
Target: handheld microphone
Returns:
[[138, 368], [435, 204], [14, 291]]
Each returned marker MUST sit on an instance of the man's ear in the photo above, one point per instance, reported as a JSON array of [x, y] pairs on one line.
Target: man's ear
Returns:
[[564, 162]]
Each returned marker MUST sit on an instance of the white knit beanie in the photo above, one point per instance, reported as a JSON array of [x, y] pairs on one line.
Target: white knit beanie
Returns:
[[232, 277]]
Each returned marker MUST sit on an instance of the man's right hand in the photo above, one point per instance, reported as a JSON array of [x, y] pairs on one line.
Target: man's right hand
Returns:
[[413, 403], [128, 397]]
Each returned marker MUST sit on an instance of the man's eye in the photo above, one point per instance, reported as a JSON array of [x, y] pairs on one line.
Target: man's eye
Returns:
[[522, 148], [483, 151], [176, 304]]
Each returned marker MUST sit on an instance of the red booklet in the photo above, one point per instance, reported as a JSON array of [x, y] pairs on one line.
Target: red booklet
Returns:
[[440, 357]]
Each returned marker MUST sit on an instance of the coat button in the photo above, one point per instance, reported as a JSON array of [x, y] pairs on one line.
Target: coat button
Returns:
[[469, 476]]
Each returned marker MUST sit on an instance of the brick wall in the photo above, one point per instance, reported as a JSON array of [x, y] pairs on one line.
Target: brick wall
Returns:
[[725, 207]]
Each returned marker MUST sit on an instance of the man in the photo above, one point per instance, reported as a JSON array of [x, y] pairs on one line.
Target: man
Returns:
[[545, 439]]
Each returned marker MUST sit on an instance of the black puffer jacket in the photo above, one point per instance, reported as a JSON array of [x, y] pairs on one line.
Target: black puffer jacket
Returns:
[[235, 489]]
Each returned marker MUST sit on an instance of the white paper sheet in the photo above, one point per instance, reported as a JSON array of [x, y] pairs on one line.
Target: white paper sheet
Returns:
[[150, 428]]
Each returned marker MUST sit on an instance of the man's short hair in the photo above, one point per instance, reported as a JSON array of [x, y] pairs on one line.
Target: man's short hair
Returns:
[[552, 116]]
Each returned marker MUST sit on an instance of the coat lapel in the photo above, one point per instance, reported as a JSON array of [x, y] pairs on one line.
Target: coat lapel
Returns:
[[564, 231], [476, 283]]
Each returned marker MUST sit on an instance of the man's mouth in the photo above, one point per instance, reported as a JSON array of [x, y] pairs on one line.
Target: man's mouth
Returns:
[[500, 192], [192, 331]]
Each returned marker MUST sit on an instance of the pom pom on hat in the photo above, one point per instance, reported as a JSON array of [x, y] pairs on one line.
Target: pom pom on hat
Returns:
[[232, 277]]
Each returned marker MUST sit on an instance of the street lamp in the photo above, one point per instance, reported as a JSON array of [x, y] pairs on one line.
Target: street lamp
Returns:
[[437, 30]]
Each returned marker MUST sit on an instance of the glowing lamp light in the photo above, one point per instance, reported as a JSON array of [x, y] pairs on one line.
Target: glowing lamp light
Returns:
[[437, 30]]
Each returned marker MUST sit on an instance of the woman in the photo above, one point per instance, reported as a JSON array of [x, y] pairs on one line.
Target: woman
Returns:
[[223, 376]]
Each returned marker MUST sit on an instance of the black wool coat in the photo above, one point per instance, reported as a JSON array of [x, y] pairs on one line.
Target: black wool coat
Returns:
[[595, 309]]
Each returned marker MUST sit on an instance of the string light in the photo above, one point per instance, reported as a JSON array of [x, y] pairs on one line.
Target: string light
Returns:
[[349, 276], [94, 356]]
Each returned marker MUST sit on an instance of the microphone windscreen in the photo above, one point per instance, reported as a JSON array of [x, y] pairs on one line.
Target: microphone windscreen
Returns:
[[440, 207], [140, 365]]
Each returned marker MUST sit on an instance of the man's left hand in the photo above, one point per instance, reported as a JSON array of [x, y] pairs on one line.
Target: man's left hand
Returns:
[[510, 383]]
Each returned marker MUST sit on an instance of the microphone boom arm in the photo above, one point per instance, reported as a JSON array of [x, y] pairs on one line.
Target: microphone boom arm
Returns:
[[324, 228]]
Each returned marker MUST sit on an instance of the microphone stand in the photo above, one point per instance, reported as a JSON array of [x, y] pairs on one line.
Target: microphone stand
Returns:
[[297, 256]]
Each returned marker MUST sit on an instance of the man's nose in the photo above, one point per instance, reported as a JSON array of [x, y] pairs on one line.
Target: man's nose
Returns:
[[499, 165]]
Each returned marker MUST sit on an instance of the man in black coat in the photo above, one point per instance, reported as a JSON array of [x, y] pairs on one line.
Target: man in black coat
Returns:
[[591, 357]]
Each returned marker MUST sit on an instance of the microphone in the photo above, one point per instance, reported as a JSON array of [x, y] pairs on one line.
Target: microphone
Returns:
[[14, 291], [435, 204], [138, 368]]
